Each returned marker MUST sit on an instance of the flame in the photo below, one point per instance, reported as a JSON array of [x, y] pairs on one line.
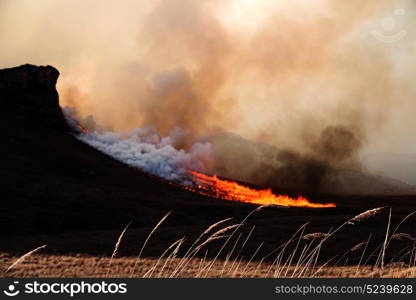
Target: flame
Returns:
[[81, 128], [229, 190]]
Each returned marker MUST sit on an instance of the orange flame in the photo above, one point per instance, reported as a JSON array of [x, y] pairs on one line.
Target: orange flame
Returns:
[[81, 128], [229, 190]]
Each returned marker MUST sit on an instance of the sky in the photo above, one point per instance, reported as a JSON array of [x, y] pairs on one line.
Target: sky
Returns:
[[276, 72]]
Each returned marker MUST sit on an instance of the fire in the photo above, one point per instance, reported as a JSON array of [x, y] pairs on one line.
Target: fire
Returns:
[[229, 190], [82, 129]]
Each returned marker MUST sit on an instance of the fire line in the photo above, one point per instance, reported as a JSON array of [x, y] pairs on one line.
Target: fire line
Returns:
[[224, 189]]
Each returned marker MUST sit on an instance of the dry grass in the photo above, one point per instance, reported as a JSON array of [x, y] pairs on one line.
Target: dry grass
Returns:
[[97, 267], [21, 259], [297, 257]]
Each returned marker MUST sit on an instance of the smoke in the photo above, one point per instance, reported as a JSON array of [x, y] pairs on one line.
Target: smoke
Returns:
[[317, 168], [301, 80], [146, 150]]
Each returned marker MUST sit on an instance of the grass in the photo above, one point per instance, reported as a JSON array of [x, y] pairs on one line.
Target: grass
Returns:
[[219, 252], [56, 266]]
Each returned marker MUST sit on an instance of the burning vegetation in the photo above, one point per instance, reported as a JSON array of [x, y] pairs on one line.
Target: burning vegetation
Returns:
[[145, 149], [230, 190]]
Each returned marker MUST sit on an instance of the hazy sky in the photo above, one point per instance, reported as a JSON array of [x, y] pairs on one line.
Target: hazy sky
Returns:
[[271, 71]]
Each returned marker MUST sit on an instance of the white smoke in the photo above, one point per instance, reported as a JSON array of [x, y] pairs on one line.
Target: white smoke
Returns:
[[70, 116], [146, 150]]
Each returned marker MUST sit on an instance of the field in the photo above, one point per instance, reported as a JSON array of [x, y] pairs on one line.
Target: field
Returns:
[[223, 250], [100, 267]]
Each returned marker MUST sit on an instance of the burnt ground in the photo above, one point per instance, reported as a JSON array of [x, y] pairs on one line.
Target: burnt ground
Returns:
[[59, 191]]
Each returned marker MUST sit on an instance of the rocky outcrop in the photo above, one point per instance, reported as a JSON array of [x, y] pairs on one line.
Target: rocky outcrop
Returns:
[[29, 93]]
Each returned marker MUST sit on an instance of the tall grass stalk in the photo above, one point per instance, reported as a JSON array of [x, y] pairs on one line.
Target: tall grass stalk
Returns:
[[116, 247], [147, 239]]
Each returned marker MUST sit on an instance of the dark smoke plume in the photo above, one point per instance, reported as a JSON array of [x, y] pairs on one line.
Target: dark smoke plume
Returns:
[[318, 168]]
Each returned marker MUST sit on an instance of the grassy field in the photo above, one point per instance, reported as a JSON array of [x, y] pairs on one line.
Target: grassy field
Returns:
[[220, 251], [100, 267]]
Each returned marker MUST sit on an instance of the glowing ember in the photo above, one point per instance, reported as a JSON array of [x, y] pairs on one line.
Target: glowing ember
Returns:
[[82, 129], [214, 187]]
